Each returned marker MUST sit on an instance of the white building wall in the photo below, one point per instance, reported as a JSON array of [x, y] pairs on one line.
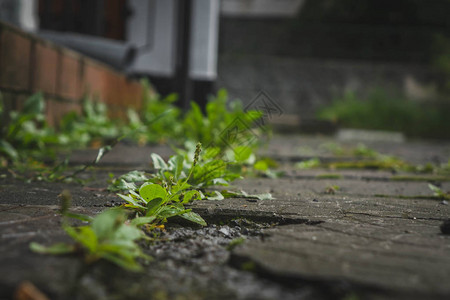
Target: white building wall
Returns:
[[153, 28]]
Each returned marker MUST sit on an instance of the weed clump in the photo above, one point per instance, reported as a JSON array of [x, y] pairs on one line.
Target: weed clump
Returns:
[[382, 111]]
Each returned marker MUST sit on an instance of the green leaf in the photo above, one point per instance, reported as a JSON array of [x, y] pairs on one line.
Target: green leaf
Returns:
[[142, 221], [158, 162], [176, 164], [56, 249], [171, 211], [134, 176], [80, 217], [191, 196], [9, 150], [194, 217], [437, 191], [264, 196], [83, 235], [150, 191], [107, 222], [125, 234], [243, 194], [153, 206], [131, 201], [211, 153], [242, 153], [180, 187], [122, 185], [125, 260], [308, 164], [218, 196], [261, 165], [203, 175], [34, 104], [220, 181], [102, 152]]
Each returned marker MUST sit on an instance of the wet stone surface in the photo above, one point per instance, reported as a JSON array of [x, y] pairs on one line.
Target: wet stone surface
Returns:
[[188, 263], [368, 237]]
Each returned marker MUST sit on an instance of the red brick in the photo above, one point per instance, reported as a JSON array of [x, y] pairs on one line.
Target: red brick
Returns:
[[113, 88], [45, 69], [14, 60], [55, 110], [133, 94], [94, 81], [9, 103], [69, 85]]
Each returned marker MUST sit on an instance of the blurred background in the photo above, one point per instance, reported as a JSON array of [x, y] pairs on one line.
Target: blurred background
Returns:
[[374, 64]]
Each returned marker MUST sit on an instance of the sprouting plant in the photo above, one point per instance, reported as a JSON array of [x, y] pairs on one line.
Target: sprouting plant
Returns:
[[92, 125], [363, 151], [213, 127], [107, 236], [177, 182], [332, 189], [26, 132], [164, 195], [128, 182], [308, 164], [438, 192]]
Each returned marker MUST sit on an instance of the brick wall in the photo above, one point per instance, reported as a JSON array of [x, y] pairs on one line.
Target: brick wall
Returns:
[[29, 64]]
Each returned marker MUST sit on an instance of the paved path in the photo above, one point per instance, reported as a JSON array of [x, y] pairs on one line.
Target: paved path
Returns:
[[338, 233]]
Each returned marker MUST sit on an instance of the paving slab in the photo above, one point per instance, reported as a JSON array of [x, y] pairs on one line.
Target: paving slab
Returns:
[[297, 147], [371, 238]]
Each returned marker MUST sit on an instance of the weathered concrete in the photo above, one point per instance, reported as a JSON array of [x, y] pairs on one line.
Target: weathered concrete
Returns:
[[373, 238]]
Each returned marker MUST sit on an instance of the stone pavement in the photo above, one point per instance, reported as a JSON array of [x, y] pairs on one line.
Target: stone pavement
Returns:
[[328, 234]]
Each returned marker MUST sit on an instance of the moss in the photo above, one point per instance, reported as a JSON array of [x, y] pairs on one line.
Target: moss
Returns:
[[248, 266], [329, 176]]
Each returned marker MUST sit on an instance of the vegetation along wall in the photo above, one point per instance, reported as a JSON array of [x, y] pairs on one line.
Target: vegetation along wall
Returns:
[[29, 64]]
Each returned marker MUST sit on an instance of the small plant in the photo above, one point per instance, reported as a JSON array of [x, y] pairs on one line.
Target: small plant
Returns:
[[332, 189], [363, 151], [108, 236], [164, 195], [27, 133], [383, 111], [213, 127], [308, 164], [128, 182], [176, 183], [92, 126], [438, 192]]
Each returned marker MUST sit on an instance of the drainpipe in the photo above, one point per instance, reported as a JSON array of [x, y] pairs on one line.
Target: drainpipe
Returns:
[[117, 54]]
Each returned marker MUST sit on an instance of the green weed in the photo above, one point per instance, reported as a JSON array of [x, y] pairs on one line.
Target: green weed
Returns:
[[27, 133], [177, 182], [308, 164], [438, 192], [221, 126], [164, 195], [107, 236], [383, 111], [93, 124], [328, 176], [332, 189]]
